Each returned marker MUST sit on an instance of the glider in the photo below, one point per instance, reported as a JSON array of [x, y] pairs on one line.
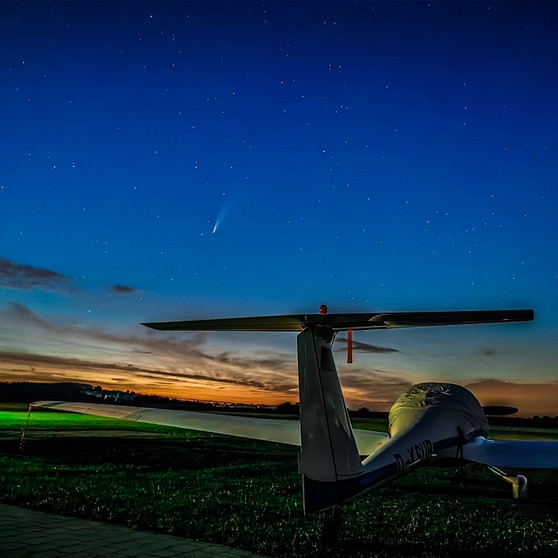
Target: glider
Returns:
[[430, 421]]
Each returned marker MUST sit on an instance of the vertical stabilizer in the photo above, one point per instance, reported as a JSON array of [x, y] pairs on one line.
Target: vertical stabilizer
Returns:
[[329, 450]]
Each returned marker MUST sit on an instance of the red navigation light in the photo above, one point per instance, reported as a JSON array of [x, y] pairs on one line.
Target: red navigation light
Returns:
[[323, 309]]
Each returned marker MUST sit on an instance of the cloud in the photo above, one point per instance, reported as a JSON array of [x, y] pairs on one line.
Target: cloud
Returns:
[[16, 313], [122, 289], [189, 379], [144, 362], [27, 277], [489, 352], [372, 388], [77, 337], [367, 347], [531, 398]]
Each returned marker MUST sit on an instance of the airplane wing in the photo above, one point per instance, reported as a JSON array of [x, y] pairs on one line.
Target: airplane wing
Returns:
[[340, 322], [271, 430], [511, 454]]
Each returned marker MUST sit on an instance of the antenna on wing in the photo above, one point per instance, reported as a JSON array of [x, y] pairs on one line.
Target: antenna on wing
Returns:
[[349, 346], [323, 312]]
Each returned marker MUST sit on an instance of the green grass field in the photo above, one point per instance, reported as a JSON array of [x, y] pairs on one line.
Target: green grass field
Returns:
[[247, 494]]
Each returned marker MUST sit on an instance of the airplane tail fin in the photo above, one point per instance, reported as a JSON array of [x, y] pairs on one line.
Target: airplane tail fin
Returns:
[[329, 451]]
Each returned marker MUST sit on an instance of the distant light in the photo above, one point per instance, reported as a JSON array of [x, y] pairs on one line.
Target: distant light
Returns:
[[323, 309]]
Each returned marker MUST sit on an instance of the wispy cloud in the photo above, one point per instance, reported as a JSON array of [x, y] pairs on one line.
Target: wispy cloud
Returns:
[[122, 289], [371, 387], [19, 314], [360, 347], [27, 277], [181, 366], [489, 351]]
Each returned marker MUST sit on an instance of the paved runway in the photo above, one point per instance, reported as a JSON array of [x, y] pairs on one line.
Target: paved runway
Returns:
[[27, 533]]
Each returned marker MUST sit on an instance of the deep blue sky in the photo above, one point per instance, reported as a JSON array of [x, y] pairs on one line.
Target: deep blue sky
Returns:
[[165, 160]]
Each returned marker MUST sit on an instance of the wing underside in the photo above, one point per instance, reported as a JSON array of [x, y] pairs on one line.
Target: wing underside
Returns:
[[512, 454]]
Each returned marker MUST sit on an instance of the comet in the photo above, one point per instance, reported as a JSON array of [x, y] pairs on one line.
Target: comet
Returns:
[[222, 213]]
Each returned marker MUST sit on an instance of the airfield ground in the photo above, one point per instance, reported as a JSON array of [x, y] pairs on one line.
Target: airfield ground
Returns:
[[246, 494]]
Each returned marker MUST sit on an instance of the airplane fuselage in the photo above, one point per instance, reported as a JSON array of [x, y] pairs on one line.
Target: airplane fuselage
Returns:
[[423, 421]]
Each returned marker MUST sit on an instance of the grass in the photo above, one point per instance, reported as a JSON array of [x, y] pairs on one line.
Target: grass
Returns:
[[247, 494], [14, 416]]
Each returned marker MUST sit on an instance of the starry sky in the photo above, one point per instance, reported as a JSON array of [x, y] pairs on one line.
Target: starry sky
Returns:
[[181, 160]]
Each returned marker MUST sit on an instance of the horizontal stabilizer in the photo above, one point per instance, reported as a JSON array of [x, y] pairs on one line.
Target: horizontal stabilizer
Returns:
[[341, 322]]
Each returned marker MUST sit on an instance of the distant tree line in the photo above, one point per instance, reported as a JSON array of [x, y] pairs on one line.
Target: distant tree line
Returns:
[[27, 392]]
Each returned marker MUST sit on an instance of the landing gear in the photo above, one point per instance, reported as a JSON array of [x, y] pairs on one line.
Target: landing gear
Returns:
[[519, 483], [460, 469]]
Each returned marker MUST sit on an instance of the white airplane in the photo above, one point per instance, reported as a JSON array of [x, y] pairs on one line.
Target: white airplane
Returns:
[[430, 421]]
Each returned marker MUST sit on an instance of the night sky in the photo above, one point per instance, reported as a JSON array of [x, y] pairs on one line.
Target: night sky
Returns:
[[177, 160]]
